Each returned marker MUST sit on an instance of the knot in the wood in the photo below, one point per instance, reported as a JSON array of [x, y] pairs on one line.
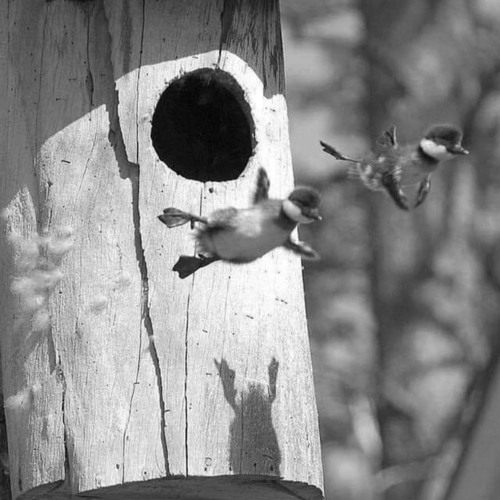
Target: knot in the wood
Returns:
[[202, 126]]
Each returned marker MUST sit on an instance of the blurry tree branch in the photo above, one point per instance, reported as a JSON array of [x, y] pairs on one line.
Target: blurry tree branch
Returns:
[[397, 474], [426, 273]]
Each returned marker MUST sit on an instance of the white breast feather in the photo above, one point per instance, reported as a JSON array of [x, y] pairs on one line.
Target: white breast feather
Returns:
[[251, 236], [294, 213]]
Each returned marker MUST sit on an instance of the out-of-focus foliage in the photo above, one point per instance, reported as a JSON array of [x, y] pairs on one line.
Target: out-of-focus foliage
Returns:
[[403, 308]]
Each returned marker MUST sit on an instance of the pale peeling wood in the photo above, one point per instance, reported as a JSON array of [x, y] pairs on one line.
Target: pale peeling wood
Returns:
[[123, 325], [243, 316], [100, 320], [64, 173], [145, 453], [32, 392], [172, 366]]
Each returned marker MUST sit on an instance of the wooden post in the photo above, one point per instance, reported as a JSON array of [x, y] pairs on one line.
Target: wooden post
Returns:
[[120, 378]]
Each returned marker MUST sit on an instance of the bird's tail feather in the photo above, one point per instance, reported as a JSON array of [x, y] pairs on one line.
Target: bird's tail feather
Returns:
[[335, 153]]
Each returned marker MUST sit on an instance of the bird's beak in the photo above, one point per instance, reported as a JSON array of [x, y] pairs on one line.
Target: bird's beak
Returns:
[[314, 214], [458, 150]]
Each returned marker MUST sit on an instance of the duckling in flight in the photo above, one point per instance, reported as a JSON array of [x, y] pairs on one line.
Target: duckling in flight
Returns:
[[391, 166], [244, 235]]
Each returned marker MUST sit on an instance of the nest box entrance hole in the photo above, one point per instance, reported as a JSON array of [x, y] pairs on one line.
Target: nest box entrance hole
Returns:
[[202, 126]]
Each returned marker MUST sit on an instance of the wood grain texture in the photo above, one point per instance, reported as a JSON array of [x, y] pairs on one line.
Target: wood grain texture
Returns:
[[25, 354], [138, 375]]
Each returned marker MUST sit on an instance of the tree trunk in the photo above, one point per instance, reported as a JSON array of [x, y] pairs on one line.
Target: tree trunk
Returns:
[[118, 376]]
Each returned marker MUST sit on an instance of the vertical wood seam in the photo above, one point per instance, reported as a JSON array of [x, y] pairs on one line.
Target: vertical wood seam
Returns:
[[226, 18], [67, 467], [143, 265], [36, 201], [143, 269], [89, 81], [139, 359], [138, 87], [242, 428], [186, 342], [188, 302]]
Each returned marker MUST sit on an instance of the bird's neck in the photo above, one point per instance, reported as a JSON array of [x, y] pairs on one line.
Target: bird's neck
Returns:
[[285, 222], [425, 157]]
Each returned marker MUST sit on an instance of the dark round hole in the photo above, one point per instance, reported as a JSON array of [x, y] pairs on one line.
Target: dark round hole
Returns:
[[202, 126]]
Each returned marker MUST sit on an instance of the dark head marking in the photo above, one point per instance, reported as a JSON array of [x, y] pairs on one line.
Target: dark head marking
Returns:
[[449, 136], [444, 134], [305, 197]]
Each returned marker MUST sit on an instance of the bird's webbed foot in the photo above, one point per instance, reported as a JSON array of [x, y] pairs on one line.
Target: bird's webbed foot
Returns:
[[393, 187], [302, 249], [173, 217], [423, 191], [335, 153], [187, 264]]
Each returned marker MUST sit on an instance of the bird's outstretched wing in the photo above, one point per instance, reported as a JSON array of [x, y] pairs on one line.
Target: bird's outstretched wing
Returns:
[[262, 188], [388, 138]]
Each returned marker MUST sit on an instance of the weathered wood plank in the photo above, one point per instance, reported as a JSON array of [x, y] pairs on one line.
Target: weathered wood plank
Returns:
[[34, 458], [61, 164], [137, 374], [100, 319], [4, 81], [229, 316]]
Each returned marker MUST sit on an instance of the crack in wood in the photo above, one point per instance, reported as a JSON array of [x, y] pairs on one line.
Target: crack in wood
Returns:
[[131, 404], [145, 313], [226, 21], [135, 179], [138, 80], [89, 158], [156, 361], [242, 445], [133, 174], [89, 81], [67, 465], [37, 202], [186, 379]]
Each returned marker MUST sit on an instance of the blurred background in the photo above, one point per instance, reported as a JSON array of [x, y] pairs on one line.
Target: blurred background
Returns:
[[403, 308]]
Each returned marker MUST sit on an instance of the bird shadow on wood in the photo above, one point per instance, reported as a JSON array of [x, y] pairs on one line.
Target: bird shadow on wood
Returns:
[[253, 441]]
